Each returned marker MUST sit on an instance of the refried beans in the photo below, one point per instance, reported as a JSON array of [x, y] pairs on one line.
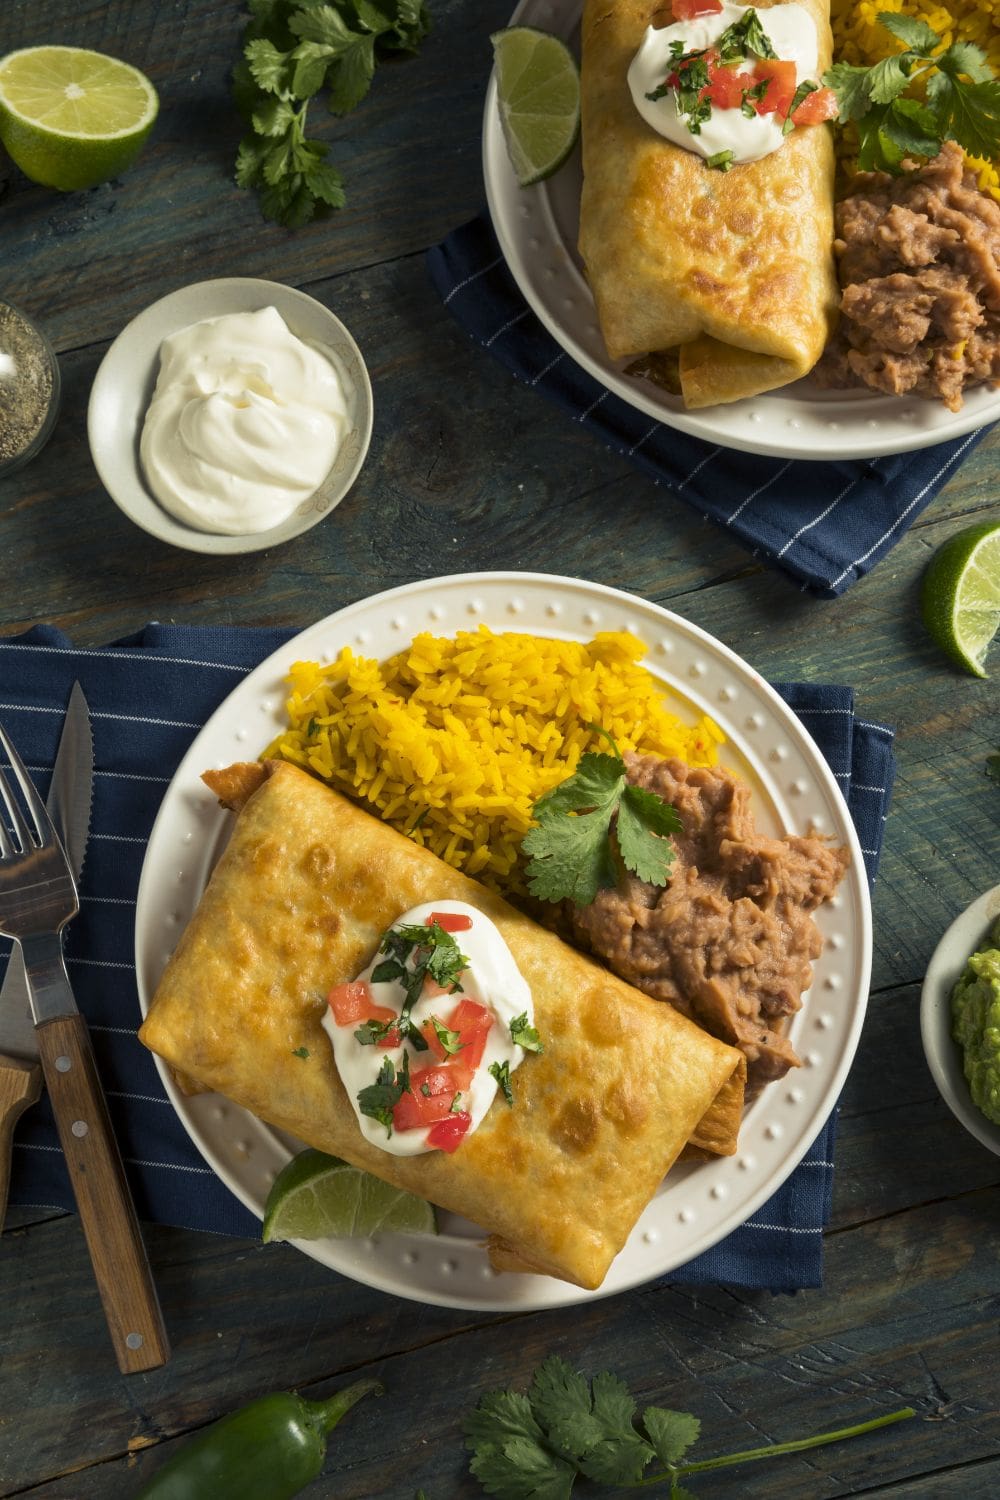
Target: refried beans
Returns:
[[730, 940], [918, 259]]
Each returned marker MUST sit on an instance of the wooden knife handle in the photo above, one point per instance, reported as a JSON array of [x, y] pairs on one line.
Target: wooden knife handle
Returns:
[[107, 1214], [20, 1085]]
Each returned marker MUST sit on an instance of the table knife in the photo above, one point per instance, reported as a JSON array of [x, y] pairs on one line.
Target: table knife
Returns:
[[68, 803]]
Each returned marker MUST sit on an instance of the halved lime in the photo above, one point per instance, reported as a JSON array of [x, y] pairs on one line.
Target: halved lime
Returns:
[[960, 595], [316, 1196], [71, 118], [538, 88]]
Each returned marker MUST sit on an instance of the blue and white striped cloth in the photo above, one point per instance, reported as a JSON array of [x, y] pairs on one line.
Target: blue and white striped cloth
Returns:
[[825, 524], [149, 696]]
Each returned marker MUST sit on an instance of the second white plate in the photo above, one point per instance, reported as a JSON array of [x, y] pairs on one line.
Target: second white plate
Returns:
[[794, 791], [538, 229]]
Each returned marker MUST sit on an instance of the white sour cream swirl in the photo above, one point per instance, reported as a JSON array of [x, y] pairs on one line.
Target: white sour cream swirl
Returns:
[[492, 978], [792, 33], [245, 423]]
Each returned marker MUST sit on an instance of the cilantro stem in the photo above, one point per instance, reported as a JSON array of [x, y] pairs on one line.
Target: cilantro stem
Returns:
[[774, 1449]]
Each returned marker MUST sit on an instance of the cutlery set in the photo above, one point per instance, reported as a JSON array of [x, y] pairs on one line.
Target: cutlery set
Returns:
[[43, 1034]]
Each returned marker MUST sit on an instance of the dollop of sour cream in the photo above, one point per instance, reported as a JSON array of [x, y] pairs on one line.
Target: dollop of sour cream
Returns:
[[490, 979], [792, 33], [245, 422]]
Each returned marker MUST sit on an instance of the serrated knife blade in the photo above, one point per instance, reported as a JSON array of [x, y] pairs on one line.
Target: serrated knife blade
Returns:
[[69, 803]]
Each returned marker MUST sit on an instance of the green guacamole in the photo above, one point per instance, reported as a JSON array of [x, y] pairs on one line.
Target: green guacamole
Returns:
[[975, 1024]]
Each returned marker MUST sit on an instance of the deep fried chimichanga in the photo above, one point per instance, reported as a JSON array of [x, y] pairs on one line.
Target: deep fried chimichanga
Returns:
[[298, 902]]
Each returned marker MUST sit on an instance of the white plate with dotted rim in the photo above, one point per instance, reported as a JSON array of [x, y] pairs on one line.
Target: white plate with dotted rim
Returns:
[[538, 227], [794, 791]]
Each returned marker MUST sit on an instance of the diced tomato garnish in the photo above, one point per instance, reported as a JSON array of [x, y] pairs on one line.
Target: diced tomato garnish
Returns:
[[472, 1021], [451, 921], [686, 10], [780, 89], [727, 84], [417, 1108], [449, 1134], [353, 1003], [816, 107], [350, 1003]]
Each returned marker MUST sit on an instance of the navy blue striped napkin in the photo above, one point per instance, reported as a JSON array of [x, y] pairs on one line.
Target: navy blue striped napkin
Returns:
[[149, 695], [825, 524]]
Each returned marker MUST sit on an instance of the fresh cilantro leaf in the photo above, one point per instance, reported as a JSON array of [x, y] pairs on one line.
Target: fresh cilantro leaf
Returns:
[[451, 1041], [889, 77], [523, 1470], [745, 38], [962, 98], [967, 58], [803, 91], [531, 1447], [523, 1034], [670, 1432], [292, 49], [570, 850], [851, 86], [967, 112], [455, 1107], [269, 68], [918, 36], [993, 767], [302, 1052], [501, 1072], [371, 1032], [721, 160]]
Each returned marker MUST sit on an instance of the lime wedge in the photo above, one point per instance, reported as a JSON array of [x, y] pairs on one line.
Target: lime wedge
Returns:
[[71, 118], [316, 1196], [538, 88], [960, 595]]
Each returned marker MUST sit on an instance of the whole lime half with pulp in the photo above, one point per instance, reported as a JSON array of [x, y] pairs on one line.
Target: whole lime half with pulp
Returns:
[[71, 118], [960, 595]]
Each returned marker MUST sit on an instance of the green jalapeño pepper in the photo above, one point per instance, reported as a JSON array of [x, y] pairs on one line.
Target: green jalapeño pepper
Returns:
[[268, 1450]]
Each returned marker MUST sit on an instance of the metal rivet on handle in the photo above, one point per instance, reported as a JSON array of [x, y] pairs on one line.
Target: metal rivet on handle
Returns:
[[79, 1127], [63, 1064], [134, 1340]]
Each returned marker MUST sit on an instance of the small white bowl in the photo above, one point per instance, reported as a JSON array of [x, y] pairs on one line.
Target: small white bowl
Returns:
[[944, 1057], [123, 388]]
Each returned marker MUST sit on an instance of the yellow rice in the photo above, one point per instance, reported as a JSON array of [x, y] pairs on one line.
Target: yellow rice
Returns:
[[858, 38], [452, 741]]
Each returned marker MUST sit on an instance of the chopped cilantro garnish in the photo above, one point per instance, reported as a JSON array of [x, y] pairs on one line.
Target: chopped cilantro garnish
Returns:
[[722, 160], [379, 1099], [752, 95], [425, 1090], [524, 1034], [433, 951], [570, 850], [803, 91], [370, 1032], [745, 38], [501, 1072], [456, 1105], [300, 1052], [451, 1041]]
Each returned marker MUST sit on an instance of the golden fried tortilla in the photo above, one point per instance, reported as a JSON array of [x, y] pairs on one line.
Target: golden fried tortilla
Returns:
[[298, 902], [735, 267]]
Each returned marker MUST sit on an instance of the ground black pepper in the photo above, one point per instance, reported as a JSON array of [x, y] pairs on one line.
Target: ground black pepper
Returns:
[[27, 386]]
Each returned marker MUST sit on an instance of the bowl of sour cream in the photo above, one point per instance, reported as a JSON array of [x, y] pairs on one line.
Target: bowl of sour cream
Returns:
[[231, 415]]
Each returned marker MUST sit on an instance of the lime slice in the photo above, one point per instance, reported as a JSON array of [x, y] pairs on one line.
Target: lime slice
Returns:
[[538, 88], [71, 118], [960, 595], [316, 1196]]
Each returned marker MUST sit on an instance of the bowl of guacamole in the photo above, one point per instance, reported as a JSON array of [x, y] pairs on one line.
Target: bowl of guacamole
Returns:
[[960, 1018]]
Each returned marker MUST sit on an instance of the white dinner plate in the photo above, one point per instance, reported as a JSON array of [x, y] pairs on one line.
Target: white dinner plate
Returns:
[[794, 791], [538, 228]]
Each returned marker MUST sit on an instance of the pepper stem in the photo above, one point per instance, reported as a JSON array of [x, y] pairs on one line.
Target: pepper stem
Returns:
[[324, 1415]]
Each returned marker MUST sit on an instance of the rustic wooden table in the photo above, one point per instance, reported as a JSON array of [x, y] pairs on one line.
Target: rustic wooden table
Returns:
[[468, 470]]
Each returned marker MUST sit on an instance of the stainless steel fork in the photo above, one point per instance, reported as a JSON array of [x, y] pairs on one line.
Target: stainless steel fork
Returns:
[[37, 898]]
